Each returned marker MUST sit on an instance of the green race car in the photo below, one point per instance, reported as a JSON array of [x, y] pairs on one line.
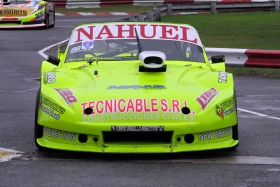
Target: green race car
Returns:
[[26, 14], [135, 87]]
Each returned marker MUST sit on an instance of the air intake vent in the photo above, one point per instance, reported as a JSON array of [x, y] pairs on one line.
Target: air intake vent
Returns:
[[148, 137]]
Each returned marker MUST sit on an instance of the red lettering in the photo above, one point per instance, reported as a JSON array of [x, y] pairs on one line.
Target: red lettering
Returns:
[[168, 30], [203, 97], [108, 106], [185, 35], [121, 109], [105, 31], [138, 103], [201, 102], [164, 106], [145, 106], [121, 31], [175, 106], [213, 90], [84, 107], [143, 33], [115, 105], [154, 105], [129, 106], [83, 31], [71, 98], [67, 92], [208, 94], [91, 105], [99, 110]]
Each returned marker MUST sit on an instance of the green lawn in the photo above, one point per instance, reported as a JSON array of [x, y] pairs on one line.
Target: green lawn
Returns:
[[247, 30], [242, 30]]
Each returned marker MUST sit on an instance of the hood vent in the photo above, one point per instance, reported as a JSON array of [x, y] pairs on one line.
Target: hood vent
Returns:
[[152, 61]]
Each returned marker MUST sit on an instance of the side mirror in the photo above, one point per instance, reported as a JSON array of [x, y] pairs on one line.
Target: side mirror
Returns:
[[218, 59], [53, 60]]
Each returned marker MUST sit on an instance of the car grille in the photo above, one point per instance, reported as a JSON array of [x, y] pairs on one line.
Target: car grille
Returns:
[[145, 137], [9, 22]]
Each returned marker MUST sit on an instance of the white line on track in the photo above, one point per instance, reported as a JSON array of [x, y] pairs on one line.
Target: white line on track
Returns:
[[86, 13], [258, 114], [41, 52], [252, 160], [233, 160]]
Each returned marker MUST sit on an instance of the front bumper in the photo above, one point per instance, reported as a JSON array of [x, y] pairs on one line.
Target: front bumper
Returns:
[[141, 141]]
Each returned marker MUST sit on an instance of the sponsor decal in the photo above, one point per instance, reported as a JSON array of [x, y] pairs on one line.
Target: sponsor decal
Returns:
[[226, 108], [88, 45], [135, 109], [138, 116], [78, 59], [137, 128], [135, 87], [205, 98], [127, 31], [222, 77], [58, 134], [52, 105], [13, 12], [67, 95], [49, 78], [39, 15], [219, 112], [217, 134], [51, 112], [76, 49]]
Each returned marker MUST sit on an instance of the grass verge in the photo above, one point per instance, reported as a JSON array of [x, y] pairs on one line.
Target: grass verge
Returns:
[[241, 30]]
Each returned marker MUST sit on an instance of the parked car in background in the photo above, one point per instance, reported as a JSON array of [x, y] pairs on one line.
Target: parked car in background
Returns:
[[27, 14]]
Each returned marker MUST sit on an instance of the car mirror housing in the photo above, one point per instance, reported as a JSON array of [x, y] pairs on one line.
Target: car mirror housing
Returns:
[[218, 59], [53, 60]]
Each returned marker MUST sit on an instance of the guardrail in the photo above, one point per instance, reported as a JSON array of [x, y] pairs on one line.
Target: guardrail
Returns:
[[227, 5], [178, 5], [248, 57], [151, 15]]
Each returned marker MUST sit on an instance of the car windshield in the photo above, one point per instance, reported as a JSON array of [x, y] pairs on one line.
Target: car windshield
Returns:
[[128, 49], [125, 42]]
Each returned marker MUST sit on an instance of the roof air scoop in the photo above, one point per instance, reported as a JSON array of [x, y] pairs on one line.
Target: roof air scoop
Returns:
[[152, 59]]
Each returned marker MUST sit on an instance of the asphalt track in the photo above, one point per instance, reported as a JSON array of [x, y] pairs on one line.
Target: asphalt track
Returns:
[[256, 162]]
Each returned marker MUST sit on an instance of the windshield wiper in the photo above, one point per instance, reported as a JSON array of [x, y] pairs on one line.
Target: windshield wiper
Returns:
[[138, 41]]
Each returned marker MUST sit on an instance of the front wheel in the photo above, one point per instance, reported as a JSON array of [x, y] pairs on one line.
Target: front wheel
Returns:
[[38, 129], [52, 19], [47, 21]]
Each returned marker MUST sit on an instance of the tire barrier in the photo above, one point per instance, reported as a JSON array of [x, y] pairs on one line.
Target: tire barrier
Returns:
[[248, 57]]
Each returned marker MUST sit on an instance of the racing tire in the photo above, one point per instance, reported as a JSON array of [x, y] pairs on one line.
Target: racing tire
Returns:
[[53, 18], [235, 129], [47, 21], [38, 129]]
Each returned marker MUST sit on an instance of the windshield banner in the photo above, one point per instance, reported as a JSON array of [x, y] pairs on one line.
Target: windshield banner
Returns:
[[127, 31]]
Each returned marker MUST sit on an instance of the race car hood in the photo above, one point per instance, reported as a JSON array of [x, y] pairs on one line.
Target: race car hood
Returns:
[[106, 84], [18, 10]]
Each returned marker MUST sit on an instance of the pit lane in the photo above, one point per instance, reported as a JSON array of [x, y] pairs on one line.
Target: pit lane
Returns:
[[256, 161]]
